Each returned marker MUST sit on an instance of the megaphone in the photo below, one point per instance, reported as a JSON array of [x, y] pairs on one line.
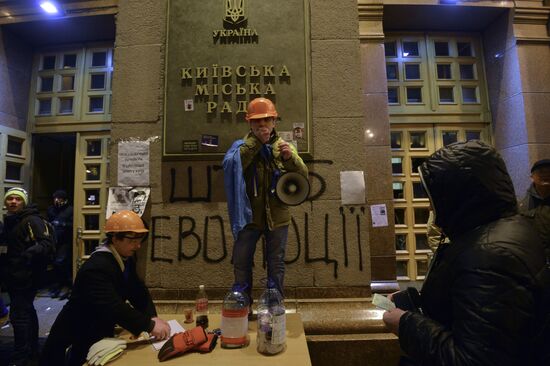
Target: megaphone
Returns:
[[292, 188]]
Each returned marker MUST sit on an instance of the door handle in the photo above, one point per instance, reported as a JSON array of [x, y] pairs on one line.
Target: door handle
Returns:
[[79, 261]]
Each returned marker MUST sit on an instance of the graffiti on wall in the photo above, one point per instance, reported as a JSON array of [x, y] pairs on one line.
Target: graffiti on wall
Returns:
[[193, 243], [191, 196]]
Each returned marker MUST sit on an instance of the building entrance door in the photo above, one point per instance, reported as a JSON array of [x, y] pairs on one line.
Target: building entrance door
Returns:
[[90, 192], [411, 145], [53, 167]]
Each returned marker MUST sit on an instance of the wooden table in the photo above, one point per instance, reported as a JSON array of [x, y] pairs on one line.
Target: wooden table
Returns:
[[295, 354]]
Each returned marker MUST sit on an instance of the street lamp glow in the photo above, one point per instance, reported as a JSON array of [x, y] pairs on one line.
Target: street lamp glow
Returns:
[[49, 7]]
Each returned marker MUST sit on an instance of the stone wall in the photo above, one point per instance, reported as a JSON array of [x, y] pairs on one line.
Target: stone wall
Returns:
[[15, 79], [517, 62], [329, 245]]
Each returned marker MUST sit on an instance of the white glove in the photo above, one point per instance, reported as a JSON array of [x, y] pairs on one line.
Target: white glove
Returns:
[[106, 346], [111, 356]]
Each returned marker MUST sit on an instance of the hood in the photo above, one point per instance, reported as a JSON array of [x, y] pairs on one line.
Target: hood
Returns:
[[11, 220], [468, 185], [31, 209]]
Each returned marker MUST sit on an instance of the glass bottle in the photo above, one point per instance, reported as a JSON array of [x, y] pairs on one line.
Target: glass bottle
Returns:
[[201, 308], [235, 318], [271, 336]]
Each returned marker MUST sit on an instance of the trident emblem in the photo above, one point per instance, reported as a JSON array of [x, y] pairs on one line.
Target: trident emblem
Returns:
[[234, 10]]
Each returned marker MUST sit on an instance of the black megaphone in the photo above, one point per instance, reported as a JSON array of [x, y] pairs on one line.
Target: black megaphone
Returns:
[[292, 189]]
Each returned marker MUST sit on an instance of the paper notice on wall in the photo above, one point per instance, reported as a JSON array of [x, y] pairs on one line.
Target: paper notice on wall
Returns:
[[379, 214], [127, 198], [352, 186], [133, 163]]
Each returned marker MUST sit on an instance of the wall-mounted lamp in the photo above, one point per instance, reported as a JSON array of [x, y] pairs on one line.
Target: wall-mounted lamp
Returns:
[[49, 6]]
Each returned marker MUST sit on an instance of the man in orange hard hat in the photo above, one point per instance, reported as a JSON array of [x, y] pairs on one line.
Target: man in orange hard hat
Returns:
[[252, 167], [103, 287]]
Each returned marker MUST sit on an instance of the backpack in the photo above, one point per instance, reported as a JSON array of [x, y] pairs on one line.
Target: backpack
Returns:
[[50, 233]]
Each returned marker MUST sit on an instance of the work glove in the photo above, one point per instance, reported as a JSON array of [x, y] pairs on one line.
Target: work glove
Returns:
[[182, 342], [209, 345], [105, 350]]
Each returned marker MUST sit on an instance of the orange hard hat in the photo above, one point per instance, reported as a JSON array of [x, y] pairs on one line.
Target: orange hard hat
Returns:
[[123, 221], [260, 108]]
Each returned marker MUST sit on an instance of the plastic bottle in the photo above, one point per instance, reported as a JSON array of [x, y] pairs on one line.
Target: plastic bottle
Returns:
[[201, 308], [235, 318], [271, 336]]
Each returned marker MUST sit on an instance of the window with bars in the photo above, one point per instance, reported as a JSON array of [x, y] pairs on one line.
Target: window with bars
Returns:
[[436, 96], [433, 74], [14, 159], [72, 84], [411, 145]]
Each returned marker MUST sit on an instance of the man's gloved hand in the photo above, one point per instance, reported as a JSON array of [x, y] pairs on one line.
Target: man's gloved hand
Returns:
[[182, 342], [105, 350]]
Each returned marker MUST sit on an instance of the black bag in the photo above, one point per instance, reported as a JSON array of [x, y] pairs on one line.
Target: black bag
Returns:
[[49, 233]]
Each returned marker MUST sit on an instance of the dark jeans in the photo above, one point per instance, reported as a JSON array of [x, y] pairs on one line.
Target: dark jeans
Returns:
[[62, 336], [243, 255], [63, 265], [24, 321]]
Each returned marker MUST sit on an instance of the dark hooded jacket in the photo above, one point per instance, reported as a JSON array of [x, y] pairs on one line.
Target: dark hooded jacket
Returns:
[[62, 220], [482, 299], [29, 242], [538, 210], [103, 295]]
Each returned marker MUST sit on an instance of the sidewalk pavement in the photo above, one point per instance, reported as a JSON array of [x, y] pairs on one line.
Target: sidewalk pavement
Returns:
[[47, 310]]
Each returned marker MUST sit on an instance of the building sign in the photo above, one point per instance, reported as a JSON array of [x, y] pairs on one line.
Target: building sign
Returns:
[[235, 25], [223, 53]]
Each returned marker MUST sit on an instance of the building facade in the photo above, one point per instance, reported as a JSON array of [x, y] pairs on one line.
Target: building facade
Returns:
[[367, 86]]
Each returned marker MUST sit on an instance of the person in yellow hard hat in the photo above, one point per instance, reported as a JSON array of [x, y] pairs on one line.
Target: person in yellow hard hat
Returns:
[[251, 169], [104, 285]]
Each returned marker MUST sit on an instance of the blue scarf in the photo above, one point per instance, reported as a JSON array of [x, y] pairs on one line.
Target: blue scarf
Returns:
[[238, 204]]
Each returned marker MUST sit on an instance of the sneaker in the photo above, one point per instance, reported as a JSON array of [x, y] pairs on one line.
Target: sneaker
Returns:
[[4, 320], [65, 295], [54, 293]]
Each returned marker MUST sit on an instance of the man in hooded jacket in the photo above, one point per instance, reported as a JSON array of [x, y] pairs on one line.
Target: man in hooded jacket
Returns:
[[60, 214], [29, 242], [485, 298], [536, 203]]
